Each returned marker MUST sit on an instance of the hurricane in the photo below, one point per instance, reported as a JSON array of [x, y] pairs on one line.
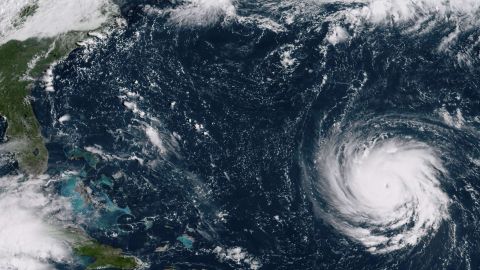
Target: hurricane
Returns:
[[240, 134], [386, 176], [380, 188]]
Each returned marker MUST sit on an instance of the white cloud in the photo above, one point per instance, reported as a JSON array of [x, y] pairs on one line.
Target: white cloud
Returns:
[[52, 17], [28, 241], [202, 12]]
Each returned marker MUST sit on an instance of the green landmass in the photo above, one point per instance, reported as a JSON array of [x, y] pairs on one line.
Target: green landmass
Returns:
[[105, 256], [20, 61]]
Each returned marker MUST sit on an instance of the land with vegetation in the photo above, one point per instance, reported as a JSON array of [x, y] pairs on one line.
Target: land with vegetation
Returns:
[[22, 63]]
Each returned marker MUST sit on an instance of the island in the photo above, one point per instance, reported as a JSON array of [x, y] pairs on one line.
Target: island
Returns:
[[22, 63]]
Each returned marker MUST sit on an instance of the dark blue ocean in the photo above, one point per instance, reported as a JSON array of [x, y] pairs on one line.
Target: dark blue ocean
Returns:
[[272, 135]]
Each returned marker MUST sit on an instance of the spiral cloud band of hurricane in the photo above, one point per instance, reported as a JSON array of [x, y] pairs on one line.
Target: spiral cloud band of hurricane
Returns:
[[384, 192], [371, 176]]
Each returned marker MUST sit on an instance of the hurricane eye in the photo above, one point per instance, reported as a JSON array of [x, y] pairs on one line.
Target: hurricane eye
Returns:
[[387, 194]]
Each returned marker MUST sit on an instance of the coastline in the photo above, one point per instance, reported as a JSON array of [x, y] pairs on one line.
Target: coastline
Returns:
[[23, 63]]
